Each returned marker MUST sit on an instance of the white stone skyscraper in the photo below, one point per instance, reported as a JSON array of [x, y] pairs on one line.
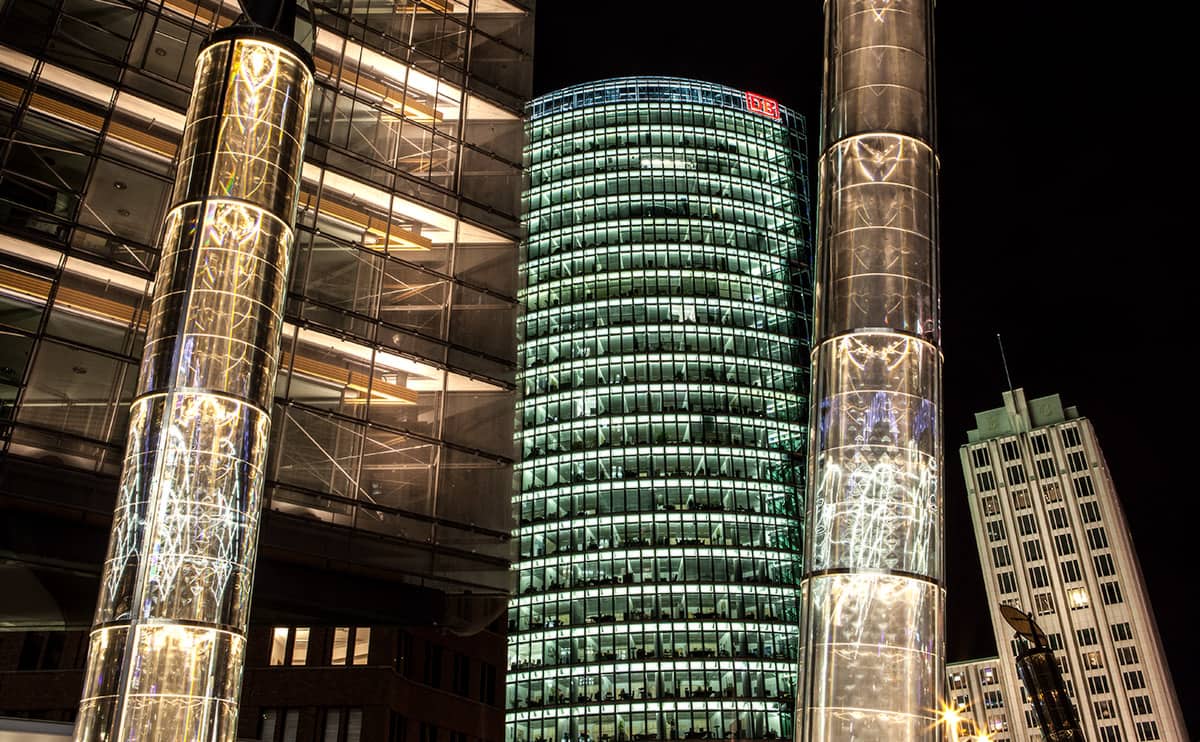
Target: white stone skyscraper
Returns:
[[1053, 541]]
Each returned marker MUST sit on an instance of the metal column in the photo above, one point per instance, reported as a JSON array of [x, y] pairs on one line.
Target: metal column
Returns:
[[873, 599], [167, 648]]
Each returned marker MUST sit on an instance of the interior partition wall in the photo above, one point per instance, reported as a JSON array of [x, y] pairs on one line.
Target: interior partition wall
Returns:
[[661, 425], [873, 623]]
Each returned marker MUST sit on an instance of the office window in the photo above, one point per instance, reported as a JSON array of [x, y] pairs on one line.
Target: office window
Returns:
[[299, 646], [1104, 565], [958, 681], [1140, 705], [1027, 525], [1134, 680], [268, 722], [1092, 660], [1057, 517], [487, 684], [1121, 632], [289, 646], [1052, 492], [1032, 549], [1071, 571], [1086, 637], [991, 505], [1097, 538], [428, 733], [1007, 581], [1020, 499], [291, 725], [992, 699], [1147, 730], [1083, 486], [1040, 442], [1015, 475], [333, 723], [1045, 468], [362, 645], [1043, 603], [1055, 640], [1064, 544], [433, 666], [980, 456], [1077, 597], [1110, 734], [1009, 451], [1098, 684], [460, 678], [1089, 512], [1070, 437], [1111, 592], [1127, 655], [1038, 577], [995, 530], [1001, 556], [341, 643], [1105, 710], [988, 676], [986, 480], [279, 645], [1077, 461]]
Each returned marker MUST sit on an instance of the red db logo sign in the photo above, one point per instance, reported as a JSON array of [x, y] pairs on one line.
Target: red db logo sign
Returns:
[[761, 105]]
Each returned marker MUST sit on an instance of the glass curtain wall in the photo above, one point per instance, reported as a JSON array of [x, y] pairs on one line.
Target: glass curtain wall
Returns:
[[662, 416], [393, 405], [874, 595]]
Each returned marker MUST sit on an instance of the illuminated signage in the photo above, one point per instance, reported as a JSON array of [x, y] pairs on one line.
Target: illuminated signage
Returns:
[[760, 104]]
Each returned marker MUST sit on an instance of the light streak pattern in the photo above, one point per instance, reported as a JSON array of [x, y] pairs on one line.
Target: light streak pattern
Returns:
[[167, 648], [872, 600]]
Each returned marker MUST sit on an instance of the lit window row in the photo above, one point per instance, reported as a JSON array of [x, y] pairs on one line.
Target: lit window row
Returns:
[[707, 139], [702, 209], [650, 367], [661, 497], [638, 310], [594, 644], [657, 283], [731, 261], [680, 528], [346, 646], [700, 339], [690, 235], [688, 183], [672, 113], [630, 398]]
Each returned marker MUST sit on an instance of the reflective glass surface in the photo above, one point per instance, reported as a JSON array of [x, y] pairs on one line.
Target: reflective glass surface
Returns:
[[661, 425]]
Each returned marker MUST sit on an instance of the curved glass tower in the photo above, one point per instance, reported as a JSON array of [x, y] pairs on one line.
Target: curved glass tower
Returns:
[[873, 618], [662, 424]]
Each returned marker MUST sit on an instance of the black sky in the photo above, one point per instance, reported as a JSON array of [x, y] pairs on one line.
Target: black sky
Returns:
[[1063, 146]]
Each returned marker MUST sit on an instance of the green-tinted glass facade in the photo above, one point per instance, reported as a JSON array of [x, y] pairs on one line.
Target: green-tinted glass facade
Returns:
[[662, 423]]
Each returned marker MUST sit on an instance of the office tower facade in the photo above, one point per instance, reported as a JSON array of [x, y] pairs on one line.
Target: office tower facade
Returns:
[[389, 469], [873, 598], [1053, 542], [975, 692], [661, 416]]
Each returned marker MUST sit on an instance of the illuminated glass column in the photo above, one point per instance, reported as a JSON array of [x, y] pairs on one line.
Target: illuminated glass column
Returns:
[[873, 599], [166, 653], [662, 420]]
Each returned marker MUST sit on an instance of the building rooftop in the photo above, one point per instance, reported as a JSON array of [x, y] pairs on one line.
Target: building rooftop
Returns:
[[1019, 415]]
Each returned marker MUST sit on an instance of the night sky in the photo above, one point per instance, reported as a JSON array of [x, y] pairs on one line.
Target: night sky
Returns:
[[1063, 228]]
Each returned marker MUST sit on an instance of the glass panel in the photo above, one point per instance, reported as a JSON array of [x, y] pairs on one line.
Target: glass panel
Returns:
[[341, 640]]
